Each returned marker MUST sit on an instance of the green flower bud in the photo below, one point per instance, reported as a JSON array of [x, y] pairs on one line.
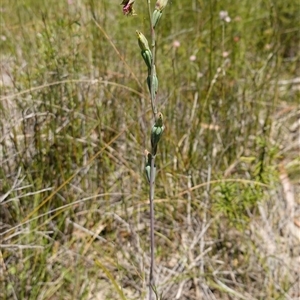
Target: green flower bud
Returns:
[[159, 119], [143, 43], [156, 17], [154, 83], [148, 166], [147, 56], [156, 132], [161, 4]]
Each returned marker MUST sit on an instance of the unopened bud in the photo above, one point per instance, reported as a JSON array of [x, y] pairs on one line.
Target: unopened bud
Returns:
[[147, 56], [154, 84], [156, 17], [156, 132], [143, 43], [148, 157], [161, 4]]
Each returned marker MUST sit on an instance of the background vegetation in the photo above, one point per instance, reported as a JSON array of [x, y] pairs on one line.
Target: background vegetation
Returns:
[[74, 117]]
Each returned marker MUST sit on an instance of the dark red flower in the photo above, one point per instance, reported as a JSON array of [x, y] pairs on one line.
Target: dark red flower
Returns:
[[127, 7]]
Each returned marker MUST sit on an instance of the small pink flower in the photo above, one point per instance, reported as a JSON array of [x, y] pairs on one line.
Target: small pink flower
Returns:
[[268, 46], [225, 54], [176, 44], [127, 7], [193, 57], [223, 15], [236, 39], [200, 75]]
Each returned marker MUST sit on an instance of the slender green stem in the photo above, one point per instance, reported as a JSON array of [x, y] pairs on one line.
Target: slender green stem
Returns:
[[153, 48], [152, 245], [151, 192]]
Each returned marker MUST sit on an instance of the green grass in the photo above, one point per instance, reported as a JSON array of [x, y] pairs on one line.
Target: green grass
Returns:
[[75, 118]]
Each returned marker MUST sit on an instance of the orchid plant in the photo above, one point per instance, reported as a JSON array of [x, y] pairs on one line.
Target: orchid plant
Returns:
[[148, 55]]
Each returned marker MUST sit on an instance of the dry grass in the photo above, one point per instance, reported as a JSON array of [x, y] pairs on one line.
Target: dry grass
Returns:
[[75, 119]]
